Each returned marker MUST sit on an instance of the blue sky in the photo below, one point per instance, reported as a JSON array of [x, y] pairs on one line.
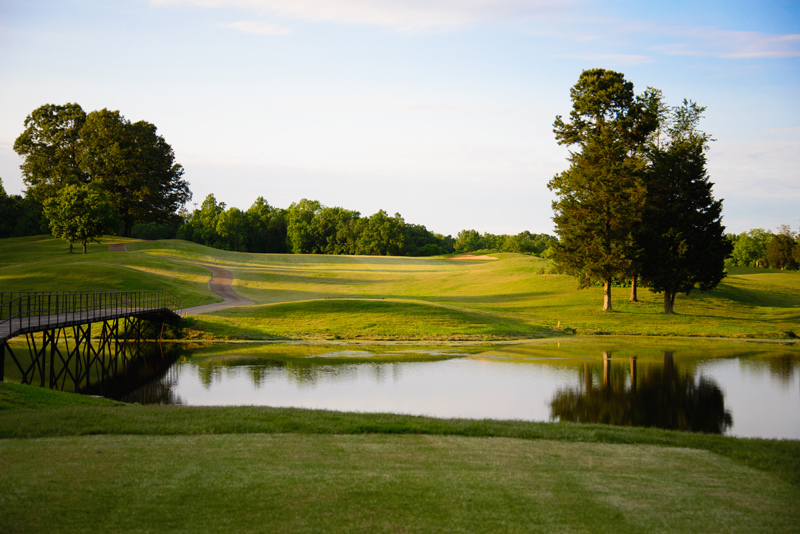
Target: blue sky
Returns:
[[439, 110]]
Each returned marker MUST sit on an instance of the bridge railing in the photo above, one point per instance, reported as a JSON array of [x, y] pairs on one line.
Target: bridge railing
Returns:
[[20, 310]]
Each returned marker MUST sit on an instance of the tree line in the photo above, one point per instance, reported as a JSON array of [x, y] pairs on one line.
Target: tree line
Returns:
[[309, 227], [762, 248]]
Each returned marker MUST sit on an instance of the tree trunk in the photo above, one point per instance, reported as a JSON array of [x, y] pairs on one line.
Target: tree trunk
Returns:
[[607, 295], [633, 289], [84, 245], [669, 302]]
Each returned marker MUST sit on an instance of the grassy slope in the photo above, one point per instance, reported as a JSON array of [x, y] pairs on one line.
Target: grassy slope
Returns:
[[362, 297], [45, 264]]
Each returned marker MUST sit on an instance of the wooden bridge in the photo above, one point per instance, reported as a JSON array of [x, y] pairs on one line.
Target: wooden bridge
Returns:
[[64, 355]]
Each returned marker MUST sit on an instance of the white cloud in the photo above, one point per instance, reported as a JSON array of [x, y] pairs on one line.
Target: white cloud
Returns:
[[602, 37], [617, 59], [714, 42], [765, 169], [407, 15], [257, 28], [465, 107]]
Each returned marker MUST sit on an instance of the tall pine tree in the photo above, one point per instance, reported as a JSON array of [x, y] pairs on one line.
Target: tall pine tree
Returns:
[[600, 198], [682, 238]]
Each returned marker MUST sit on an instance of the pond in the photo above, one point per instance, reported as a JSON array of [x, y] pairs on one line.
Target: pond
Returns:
[[737, 389]]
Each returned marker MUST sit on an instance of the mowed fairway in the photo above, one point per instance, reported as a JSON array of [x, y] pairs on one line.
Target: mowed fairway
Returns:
[[391, 298]]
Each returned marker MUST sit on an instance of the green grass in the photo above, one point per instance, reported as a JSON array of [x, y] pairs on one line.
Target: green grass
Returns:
[[366, 319], [45, 264], [15, 396], [373, 483], [79, 464], [62, 467], [389, 298]]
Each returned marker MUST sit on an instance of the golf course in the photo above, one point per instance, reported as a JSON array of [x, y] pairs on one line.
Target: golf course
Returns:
[[71, 463], [479, 297]]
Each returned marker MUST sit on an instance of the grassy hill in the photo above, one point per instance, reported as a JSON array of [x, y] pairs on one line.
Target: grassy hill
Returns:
[[390, 298]]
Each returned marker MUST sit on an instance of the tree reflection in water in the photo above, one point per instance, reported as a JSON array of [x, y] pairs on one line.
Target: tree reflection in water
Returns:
[[151, 378], [652, 396]]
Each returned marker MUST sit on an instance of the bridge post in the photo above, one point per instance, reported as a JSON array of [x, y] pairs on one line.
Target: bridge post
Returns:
[[53, 348], [51, 314]]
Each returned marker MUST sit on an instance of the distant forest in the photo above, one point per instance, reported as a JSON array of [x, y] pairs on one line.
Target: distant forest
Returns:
[[308, 227]]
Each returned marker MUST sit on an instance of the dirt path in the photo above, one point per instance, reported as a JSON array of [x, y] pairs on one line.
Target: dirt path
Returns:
[[221, 283]]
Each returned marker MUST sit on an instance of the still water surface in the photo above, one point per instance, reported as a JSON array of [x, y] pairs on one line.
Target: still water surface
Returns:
[[749, 391]]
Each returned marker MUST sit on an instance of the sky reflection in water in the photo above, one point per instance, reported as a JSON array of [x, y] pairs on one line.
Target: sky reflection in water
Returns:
[[746, 395]]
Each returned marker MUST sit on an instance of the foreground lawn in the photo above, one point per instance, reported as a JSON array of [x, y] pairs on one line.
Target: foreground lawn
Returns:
[[379, 483], [71, 467]]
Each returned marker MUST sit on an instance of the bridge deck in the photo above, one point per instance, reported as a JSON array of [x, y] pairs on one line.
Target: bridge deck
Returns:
[[24, 313], [24, 325]]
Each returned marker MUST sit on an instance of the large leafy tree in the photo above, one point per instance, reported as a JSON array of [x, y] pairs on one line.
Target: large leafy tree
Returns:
[[338, 229], [136, 167], [50, 146], [80, 213], [750, 248], [682, 237], [232, 227], [600, 197]]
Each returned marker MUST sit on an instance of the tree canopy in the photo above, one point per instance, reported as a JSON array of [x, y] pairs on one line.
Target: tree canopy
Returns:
[[601, 196], [309, 227], [682, 237], [750, 248], [782, 250], [62, 145], [636, 199], [50, 146], [80, 213]]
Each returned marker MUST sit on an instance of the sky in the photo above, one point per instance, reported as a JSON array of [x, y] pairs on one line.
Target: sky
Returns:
[[440, 110]]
